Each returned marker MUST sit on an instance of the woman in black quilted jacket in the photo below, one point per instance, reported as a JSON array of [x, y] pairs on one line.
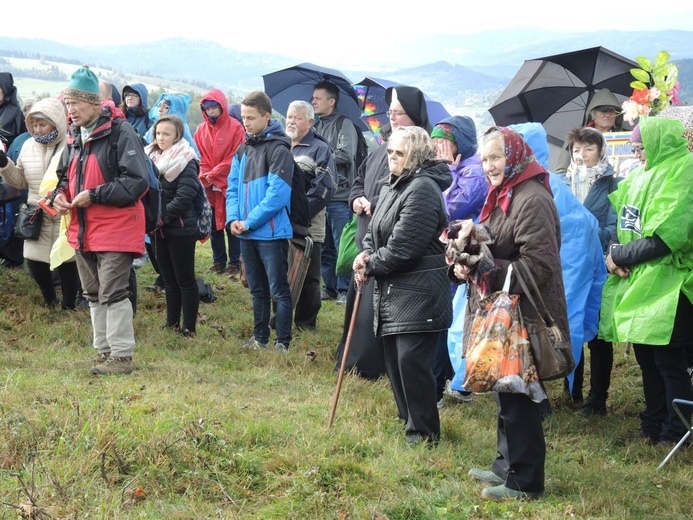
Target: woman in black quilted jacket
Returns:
[[411, 302], [175, 239]]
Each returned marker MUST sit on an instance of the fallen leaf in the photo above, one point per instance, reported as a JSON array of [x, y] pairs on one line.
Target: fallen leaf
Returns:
[[133, 397]]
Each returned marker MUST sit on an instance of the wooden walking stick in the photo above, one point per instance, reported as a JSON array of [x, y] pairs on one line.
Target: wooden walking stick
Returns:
[[345, 355]]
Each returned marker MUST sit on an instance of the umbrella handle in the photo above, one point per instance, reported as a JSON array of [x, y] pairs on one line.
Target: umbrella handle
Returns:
[[345, 356]]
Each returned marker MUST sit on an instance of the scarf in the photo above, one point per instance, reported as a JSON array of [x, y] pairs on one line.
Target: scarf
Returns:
[[582, 178], [173, 161], [45, 139], [520, 165]]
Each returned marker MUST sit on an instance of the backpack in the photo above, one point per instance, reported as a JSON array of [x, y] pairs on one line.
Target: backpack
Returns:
[[203, 212], [300, 210], [361, 144], [205, 290], [151, 200]]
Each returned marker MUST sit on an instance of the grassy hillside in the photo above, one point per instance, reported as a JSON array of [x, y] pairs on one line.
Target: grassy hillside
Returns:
[[205, 429]]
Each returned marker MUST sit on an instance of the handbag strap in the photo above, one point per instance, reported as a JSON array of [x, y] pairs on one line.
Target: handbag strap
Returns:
[[520, 268]]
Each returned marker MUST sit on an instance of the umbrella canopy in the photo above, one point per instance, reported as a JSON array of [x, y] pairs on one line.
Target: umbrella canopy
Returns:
[[371, 96], [297, 82], [556, 90]]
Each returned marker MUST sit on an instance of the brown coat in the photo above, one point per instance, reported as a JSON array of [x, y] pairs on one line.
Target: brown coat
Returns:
[[530, 230]]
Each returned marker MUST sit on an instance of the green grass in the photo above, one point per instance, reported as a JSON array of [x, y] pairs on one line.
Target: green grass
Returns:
[[203, 429]]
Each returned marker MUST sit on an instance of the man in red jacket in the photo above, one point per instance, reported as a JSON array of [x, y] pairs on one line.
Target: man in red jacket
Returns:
[[217, 138], [101, 189]]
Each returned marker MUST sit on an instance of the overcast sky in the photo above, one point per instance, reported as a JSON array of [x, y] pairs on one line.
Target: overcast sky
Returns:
[[323, 32]]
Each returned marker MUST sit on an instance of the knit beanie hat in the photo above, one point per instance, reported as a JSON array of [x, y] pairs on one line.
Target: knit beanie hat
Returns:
[[636, 136], [444, 131], [84, 86]]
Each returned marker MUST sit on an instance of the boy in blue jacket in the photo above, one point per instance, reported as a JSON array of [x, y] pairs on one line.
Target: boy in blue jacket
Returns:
[[257, 211]]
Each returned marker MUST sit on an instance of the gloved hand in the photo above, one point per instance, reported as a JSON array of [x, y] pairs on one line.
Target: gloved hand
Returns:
[[3, 159]]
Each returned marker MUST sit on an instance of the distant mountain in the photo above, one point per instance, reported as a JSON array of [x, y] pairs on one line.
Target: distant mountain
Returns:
[[449, 68]]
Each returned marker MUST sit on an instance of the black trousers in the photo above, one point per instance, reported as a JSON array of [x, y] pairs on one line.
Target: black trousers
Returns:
[[665, 377], [521, 444], [176, 258], [409, 364], [601, 363], [309, 302], [69, 282]]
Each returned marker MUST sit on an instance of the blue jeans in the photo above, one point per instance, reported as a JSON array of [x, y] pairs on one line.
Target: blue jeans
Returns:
[[266, 266], [337, 216], [216, 238]]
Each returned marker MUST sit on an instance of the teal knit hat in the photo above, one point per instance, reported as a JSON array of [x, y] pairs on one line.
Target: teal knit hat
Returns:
[[84, 85]]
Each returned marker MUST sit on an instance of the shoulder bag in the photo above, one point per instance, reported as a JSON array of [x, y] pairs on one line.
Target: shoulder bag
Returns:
[[553, 355], [28, 224]]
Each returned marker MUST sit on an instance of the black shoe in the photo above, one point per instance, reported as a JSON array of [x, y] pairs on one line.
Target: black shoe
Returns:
[[590, 409]]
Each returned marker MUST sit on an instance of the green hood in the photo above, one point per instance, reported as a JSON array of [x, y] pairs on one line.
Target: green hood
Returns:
[[653, 201]]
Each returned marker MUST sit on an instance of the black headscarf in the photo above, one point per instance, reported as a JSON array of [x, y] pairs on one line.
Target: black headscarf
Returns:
[[413, 103]]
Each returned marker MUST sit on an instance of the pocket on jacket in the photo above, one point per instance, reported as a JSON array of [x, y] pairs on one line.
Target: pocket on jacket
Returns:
[[404, 303]]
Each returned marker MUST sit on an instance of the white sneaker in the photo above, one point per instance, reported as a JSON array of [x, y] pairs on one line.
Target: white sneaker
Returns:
[[456, 395], [440, 403]]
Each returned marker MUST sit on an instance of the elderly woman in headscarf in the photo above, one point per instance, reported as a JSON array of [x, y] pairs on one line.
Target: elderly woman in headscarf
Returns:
[[407, 108], [401, 250], [521, 216], [591, 179], [648, 299]]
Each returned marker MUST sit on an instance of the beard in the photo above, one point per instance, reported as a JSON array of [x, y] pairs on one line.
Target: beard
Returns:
[[292, 134]]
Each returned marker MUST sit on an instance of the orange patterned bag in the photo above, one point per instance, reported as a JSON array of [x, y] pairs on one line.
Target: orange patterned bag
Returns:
[[498, 355]]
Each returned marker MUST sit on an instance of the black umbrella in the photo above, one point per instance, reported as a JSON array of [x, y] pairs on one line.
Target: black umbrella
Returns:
[[556, 90], [297, 82]]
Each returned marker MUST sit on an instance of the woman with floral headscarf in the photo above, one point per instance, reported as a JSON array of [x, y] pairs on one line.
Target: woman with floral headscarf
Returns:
[[411, 302], [521, 216]]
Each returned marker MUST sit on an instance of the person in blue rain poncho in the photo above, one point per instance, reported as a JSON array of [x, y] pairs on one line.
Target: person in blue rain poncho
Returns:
[[171, 105]]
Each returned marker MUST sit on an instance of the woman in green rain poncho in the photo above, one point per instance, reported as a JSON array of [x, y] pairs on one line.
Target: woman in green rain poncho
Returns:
[[647, 299]]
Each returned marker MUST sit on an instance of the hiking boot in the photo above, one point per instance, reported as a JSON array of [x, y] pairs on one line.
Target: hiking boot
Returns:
[[281, 347], [489, 477], [252, 343], [217, 268], [112, 366], [501, 493], [233, 271], [100, 357], [456, 395]]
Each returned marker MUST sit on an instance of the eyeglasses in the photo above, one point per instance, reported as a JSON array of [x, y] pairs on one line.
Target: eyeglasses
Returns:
[[131, 94], [637, 149], [395, 113], [396, 153]]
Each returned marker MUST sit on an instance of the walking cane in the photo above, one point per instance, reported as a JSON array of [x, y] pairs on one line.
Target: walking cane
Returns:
[[345, 355]]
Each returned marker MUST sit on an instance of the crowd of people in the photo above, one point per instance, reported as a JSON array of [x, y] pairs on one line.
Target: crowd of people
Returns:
[[613, 256]]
